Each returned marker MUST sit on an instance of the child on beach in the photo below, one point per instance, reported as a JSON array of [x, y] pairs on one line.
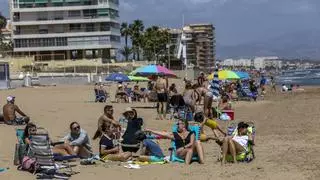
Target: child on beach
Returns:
[[209, 122]]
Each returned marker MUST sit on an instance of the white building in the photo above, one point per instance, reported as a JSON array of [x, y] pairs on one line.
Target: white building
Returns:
[[65, 29], [6, 33], [237, 62], [263, 62]]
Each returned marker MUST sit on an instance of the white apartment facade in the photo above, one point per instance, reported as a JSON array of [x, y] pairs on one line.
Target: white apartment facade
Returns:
[[237, 62], [65, 29], [263, 62]]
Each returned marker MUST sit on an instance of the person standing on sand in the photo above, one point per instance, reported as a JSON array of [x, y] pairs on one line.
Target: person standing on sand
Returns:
[[9, 113], [161, 88], [273, 84], [106, 118]]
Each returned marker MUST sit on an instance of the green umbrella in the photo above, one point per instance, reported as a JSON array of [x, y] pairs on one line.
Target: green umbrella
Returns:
[[138, 78]]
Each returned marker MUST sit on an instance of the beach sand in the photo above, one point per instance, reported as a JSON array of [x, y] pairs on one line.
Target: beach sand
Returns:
[[287, 139]]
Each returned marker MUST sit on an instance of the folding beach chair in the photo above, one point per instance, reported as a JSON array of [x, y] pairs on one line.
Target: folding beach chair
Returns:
[[248, 155], [20, 148], [41, 150], [245, 93], [173, 148]]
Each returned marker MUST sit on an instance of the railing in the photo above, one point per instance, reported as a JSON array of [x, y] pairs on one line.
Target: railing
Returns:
[[22, 5], [52, 31]]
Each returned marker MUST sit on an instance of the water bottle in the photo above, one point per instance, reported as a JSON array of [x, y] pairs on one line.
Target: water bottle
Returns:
[[123, 123]]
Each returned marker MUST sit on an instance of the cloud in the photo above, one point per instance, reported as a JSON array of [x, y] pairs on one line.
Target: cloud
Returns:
[[126, 6]]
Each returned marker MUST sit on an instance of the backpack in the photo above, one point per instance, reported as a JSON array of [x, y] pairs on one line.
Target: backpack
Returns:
[[29, 164]]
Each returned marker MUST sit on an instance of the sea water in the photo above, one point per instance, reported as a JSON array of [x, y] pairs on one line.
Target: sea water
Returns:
[[301, 77]]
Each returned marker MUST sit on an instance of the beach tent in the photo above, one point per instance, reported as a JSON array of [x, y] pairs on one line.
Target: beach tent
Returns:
[[152, 70], [118, 77]]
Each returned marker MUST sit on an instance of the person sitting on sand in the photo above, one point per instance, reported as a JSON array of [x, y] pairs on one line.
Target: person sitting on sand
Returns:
[[106, 117], [9, 113], [224, 104], [134, 124], [236, 144], [79, 140], [121, 94], [209, 122], [149, 150], [109, 148], [101, 94], [185, 142], [62, 149], [138, 94]]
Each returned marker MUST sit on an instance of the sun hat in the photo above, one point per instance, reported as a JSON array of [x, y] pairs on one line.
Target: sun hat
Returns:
[[128, 109]]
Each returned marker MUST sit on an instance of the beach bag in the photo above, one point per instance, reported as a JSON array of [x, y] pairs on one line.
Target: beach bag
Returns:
[[29, 164]]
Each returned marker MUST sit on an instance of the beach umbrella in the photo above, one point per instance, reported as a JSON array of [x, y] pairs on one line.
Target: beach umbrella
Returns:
[[214, 84], [118, 77], [152, 70], [225, 74], [243, 75], [138, 78]]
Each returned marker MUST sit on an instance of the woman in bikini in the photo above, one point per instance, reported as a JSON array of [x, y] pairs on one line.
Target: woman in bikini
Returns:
[[190, 97], [236, 144], [185, 142]]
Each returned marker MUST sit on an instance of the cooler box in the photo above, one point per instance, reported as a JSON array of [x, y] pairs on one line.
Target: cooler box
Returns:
[[230, 113]]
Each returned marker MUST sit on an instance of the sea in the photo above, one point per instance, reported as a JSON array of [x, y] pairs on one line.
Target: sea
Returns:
[[310, 77]]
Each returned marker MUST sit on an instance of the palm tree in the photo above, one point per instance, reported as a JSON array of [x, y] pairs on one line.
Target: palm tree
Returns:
[[126, 52], [125, 32], [137, 29]]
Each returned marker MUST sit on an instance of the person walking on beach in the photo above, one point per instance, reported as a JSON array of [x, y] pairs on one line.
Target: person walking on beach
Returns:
[[161, 88], [273, 84], [9, 113]]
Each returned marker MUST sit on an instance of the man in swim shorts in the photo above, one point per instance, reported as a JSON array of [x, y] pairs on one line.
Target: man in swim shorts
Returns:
[[161, 88], [9, 113]]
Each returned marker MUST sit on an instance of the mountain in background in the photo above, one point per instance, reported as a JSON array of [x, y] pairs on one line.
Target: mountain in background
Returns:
[[303, 44]]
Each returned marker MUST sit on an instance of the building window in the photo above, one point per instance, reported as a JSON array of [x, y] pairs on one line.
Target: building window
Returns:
[[115, 38], [75, 27], [74, 13]]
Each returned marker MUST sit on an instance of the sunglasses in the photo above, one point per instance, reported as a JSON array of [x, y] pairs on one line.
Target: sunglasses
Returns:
[[76, 128]]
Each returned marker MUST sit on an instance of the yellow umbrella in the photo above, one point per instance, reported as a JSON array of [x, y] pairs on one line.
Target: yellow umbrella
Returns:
[[225, 74]]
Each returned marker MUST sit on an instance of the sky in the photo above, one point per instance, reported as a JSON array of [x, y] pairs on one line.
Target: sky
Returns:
[[236, 21]]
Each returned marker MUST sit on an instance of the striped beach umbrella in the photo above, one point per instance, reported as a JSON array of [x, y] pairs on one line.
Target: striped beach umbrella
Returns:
[[214, 84]]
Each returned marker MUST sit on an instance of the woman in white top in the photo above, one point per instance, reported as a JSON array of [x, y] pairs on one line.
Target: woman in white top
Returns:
[[236, 144]]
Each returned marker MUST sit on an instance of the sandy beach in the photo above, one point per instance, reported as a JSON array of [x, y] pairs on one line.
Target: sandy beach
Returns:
[[287, 139]]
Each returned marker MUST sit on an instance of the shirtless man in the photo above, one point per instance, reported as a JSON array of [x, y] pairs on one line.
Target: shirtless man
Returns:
[[161, 88], [106, 118], [9, 113]]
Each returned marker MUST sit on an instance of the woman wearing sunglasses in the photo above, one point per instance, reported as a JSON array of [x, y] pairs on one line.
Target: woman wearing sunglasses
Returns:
[[185, 142], [79, 140]]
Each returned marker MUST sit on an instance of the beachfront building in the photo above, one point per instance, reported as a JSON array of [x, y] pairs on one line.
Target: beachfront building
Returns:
[[267, 62], [200, 46], [6, 33], [237, 63], [65, 29]]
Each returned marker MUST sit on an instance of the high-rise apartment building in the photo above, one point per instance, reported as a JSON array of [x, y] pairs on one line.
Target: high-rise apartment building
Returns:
[[65, 29], [200, 48]]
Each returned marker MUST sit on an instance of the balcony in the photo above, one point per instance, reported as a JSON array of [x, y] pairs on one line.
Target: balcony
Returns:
[[59, 5], [47, 33]]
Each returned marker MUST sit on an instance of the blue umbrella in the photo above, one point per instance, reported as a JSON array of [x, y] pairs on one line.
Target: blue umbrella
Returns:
[[118, 77], [243, 75]]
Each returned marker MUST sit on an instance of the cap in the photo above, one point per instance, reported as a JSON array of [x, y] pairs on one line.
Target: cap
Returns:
[[10, 98]]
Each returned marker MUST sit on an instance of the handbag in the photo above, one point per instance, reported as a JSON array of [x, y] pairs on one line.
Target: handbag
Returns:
[[29, 164]]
